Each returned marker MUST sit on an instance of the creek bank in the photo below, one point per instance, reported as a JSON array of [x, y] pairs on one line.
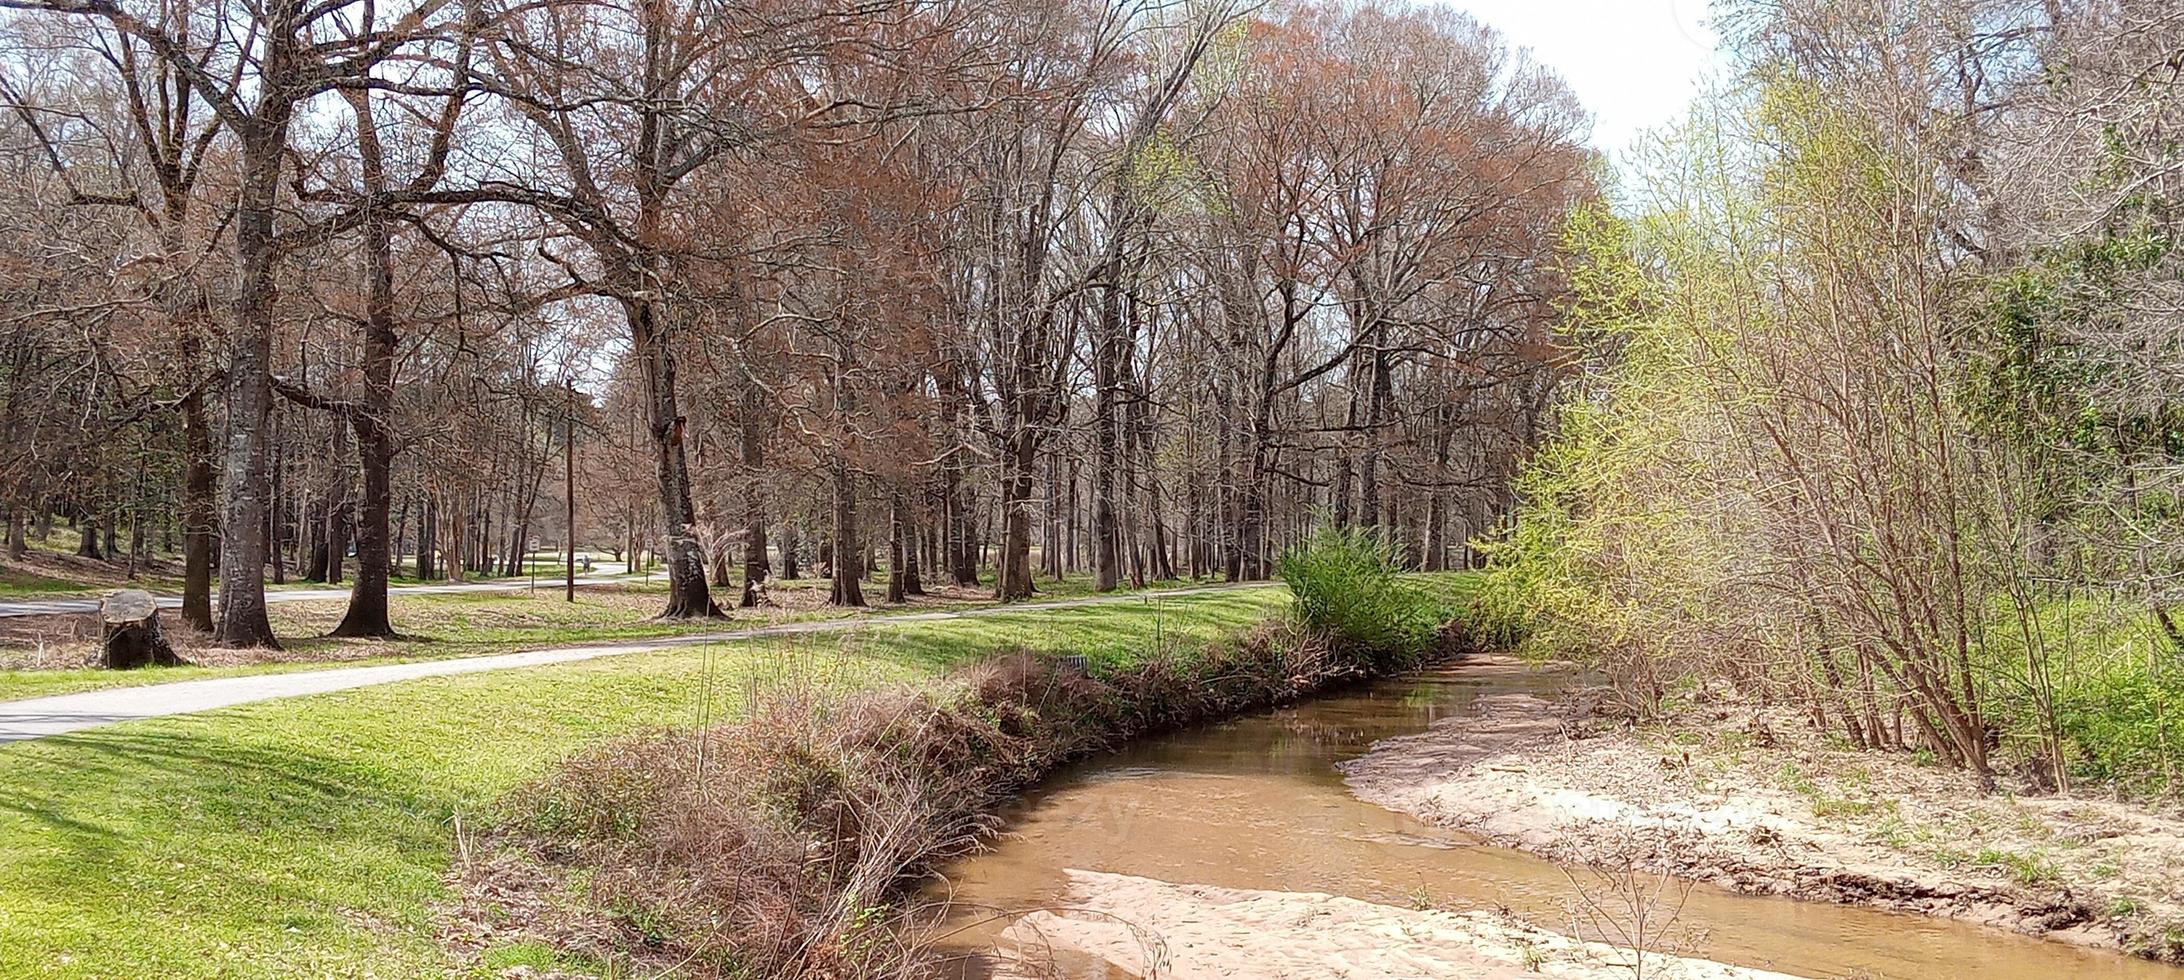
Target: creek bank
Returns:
[[781, 844], [1756, 802], [1145, 927]]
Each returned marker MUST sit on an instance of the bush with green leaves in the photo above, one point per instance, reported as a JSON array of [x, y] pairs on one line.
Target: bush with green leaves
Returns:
[[1349, 587]]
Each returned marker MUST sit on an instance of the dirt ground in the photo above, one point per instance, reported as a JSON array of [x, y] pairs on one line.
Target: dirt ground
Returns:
[[43, 573], [1759, 803], [1122, 925]]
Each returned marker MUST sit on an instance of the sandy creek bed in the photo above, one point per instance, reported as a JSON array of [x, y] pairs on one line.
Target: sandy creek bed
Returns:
[[1240, 850]]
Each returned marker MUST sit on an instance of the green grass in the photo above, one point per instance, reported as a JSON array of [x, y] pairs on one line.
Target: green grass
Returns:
[[309, 837], [61, 540], [2025, 869], [17, 583], [470, 624], [436, 627], [1827, 807]]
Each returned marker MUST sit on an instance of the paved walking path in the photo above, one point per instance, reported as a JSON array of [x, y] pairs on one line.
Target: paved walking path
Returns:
[[64, 607], [43, 717]]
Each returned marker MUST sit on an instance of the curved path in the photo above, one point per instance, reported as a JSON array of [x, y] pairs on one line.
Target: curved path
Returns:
[[42, 717], [90, 604]]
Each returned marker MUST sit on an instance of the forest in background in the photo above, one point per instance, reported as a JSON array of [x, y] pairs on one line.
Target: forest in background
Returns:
[[1149, 287], [1882, 406], [1836, 430]]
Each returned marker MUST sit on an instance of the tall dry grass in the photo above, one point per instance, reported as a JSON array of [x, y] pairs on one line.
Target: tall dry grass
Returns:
[[781, 844], [785, 843]]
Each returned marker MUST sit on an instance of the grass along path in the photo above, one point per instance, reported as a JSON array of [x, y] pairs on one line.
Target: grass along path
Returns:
[[285, 592], [51, 569], [310, 837], [47, 657], [51, 716]]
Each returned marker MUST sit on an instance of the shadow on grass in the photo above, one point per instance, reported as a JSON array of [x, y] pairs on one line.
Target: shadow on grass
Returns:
[[118, 762], [208, 829]]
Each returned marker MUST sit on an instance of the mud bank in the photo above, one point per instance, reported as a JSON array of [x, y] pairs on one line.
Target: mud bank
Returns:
[[1758, 804], [1141, 927]]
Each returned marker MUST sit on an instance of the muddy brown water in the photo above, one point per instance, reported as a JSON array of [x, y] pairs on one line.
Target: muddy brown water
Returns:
[[1258, 802]]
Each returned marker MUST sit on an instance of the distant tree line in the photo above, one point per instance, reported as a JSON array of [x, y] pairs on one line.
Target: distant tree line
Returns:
[[1143, 287]]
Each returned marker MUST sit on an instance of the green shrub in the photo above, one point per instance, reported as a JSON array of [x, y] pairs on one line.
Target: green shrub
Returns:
[[1348, 586], [2121, 719]]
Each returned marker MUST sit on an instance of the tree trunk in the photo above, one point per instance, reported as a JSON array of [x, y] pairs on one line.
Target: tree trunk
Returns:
[[724, 575], [337, 541], [368, 612], [277, 503], [1163, 558], [1344, 467], [902, 544], [688, 596], [962, 554], [755, 565], [335, 532], [15, 496], [1368, 482], [1106, 460], [1436, 532], [1230, 518], [1016, 503], [912, 582], [428, 535], [1437, 502], [956, 518], [1051, 529], [454, 550], [315, 523], [848, 589], [136, 527], [398, 543], [87, 540], [130, 633], [199, 532]]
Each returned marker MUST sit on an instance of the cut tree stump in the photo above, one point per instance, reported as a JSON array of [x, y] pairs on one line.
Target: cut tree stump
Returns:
[[132, 636]]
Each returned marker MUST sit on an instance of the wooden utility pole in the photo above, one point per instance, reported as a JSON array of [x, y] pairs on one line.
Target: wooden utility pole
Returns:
[[569, 484]]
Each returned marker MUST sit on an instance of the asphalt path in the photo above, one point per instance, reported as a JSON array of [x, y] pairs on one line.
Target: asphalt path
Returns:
[[45, 717]]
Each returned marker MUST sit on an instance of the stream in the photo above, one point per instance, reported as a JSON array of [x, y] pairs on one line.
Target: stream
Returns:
[[1258, 803]]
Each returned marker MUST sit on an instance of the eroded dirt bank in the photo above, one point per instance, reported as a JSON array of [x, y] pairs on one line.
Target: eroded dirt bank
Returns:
[[1758, 803], [1131, 926]]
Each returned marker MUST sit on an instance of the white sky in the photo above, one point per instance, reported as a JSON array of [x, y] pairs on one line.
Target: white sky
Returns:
[[1634, 63]]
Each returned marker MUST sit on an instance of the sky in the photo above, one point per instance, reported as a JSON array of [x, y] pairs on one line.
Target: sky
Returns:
[[1634, 63]]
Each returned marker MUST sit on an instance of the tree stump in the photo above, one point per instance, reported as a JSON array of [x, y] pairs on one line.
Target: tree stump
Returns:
[[132, 637]]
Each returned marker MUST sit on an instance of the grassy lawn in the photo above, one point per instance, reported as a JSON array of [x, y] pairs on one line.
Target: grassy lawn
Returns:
[[437, 626], [17, 583], [309, 837], [61, 540], [54, 571], [44, 657]]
